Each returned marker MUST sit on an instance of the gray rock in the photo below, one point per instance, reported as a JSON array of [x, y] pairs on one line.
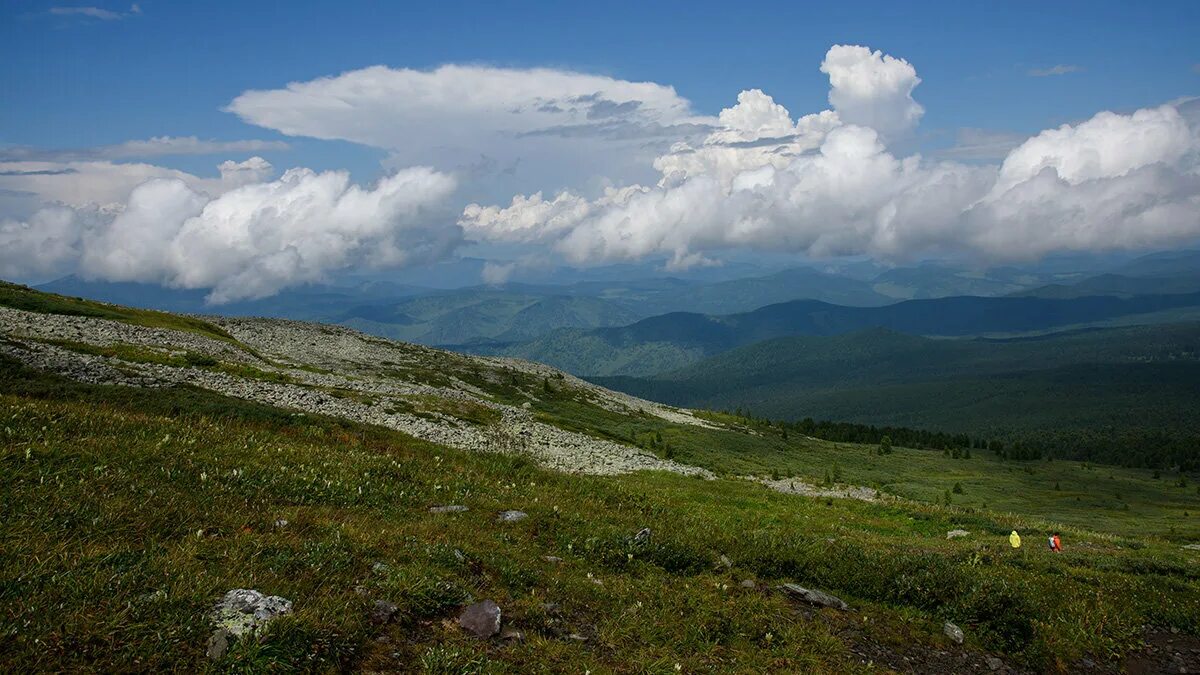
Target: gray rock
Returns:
[[510, 633], [994, 663], [1192, 547], [953, 632], [748, 583], [243, 610], [955, 534], [381, 568], [725, 561], [481, 619], [218, 644], [552, 558], [454, 508], [643, 535], [382, 612], [814, 597], [512, 516]]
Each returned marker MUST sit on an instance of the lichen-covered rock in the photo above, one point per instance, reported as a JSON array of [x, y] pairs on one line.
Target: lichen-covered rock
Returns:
[[953, 632], [453, 508], [955, 534], [243, 610], [512, 516], [814, 597]]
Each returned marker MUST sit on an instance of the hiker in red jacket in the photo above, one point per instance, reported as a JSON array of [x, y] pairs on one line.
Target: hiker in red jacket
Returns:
[[1055, 543]]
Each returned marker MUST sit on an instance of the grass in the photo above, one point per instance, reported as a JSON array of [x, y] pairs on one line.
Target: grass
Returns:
[[1116, 500], [25, 298], [113, 495]]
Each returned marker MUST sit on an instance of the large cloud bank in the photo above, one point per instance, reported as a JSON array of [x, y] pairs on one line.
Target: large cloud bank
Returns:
[[645, 174], [252, 239], [827, 184]]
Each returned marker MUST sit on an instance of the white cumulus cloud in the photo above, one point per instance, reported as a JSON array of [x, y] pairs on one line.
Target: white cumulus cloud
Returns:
[[872, 89], [563, 126], [827, 184], [250, 241]]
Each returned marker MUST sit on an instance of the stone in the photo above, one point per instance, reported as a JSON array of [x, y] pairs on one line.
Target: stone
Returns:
[[643, 535], [218, 644], [526, 405], [510, 633], [381, 568], [481, 619], [512, 516], [459, 556], [552, 558], [725, 561], [955, 534], [243, 610], [748, 584], [383, 612], [454, 508], [814, 597], [953, 632], [281, 523], [994, 663]]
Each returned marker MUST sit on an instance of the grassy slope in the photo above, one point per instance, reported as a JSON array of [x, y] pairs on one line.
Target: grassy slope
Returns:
[[115, 494]]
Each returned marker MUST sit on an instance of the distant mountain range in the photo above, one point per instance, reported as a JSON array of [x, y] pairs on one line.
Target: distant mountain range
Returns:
[[670, 341], [559, 306]]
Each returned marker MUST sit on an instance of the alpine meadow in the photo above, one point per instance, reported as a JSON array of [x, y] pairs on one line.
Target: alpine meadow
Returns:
[[466, 338]]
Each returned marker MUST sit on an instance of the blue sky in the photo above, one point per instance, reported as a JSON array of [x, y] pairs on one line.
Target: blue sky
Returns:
[[77, 77], [76, 81]]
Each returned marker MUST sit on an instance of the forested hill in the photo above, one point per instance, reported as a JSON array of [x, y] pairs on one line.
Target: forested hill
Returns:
[[674, 340], [1124, 395]]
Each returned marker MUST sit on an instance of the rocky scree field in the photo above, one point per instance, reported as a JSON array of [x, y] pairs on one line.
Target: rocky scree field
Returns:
[[377, 506]]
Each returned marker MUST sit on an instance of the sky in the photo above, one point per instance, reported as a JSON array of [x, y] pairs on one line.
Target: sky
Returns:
[[249, 147]]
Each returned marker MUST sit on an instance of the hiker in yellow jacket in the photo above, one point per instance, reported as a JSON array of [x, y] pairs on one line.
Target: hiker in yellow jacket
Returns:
[[1014, 539]]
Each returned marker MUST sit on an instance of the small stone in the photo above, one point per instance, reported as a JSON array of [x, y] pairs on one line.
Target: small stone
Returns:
[[454, 508], [510, 633], [577, 637], [642, 535], [955, 534], [218, 644], [458, 555], [381, 568], [748, 583], [281, 523], [814, 597], [552, 558], [512, 516], [382, 612], [725, 561], [953, 632], [526, 405], [994, 663], [481, 619]]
